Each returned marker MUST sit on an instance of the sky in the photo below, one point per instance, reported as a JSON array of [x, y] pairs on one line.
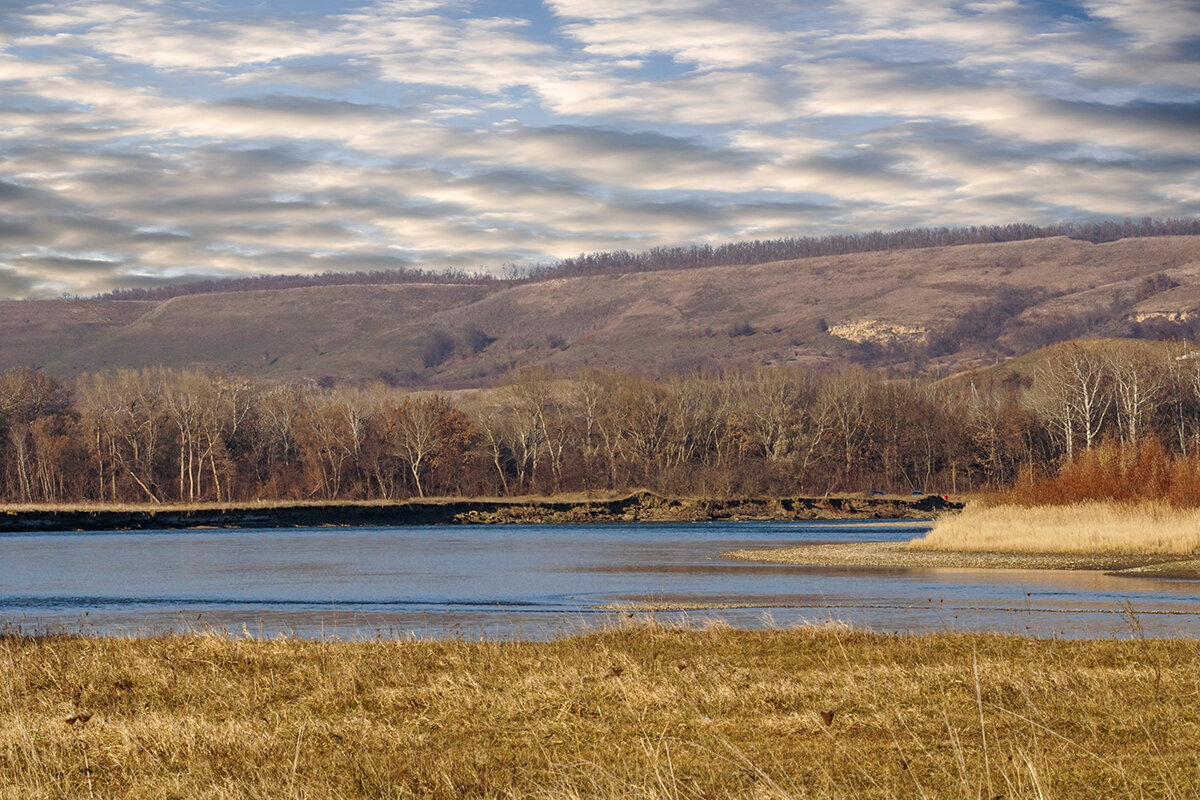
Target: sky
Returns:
[[155, 141]]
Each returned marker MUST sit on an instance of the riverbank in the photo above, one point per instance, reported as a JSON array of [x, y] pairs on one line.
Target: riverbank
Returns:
[[897, 554], [635, 712], [635, 507]]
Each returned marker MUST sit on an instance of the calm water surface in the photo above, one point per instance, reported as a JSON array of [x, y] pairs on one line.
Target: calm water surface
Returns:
[[538, 581]]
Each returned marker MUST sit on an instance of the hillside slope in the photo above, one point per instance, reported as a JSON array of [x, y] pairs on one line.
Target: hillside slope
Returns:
[[915, 309]]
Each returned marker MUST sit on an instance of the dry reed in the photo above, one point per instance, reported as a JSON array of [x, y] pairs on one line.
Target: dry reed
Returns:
[[1109, 528], [636, 712]]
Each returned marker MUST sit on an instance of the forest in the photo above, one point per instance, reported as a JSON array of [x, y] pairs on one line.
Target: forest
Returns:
[[160, 435]]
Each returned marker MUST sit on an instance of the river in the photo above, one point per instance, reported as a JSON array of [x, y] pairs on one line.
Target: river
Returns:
[[539, 581]]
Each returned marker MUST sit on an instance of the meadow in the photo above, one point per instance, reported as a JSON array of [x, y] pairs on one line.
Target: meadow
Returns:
[[638, 711]]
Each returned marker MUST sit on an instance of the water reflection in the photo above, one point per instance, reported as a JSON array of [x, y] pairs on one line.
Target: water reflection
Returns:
[[539, 582]]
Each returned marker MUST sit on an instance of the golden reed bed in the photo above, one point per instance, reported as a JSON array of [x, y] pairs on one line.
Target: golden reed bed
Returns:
[[1099, 528], [1144, 539], [636, 712]]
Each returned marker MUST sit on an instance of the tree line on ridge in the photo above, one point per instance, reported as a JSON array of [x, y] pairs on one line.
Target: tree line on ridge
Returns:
[[687, 257]]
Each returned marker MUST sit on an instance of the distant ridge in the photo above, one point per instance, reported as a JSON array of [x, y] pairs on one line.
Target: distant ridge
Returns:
[[929, 310], [618, 262], [761, 252]]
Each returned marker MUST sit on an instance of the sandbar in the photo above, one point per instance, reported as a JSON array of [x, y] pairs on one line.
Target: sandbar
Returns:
[[895, 554]]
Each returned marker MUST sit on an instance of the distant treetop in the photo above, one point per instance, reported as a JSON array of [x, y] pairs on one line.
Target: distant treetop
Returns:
[[617, 262], [259, 282]]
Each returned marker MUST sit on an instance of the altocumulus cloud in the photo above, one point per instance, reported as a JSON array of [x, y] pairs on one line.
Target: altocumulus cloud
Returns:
[[152, 140]]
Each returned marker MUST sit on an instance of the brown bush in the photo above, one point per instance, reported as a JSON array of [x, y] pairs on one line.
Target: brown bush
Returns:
[[1120, 472]]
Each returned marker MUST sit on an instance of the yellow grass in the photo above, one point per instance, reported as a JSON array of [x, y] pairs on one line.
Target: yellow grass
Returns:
[[1093, 527], [638, 712]]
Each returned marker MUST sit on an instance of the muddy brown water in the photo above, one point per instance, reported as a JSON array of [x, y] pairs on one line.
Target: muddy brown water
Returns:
[[540, 581]]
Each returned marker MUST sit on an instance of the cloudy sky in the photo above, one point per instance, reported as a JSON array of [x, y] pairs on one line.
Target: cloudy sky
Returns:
[[144, 141]]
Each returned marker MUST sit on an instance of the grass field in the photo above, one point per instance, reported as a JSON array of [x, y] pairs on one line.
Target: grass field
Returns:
[[636, 712], [1093, 527]]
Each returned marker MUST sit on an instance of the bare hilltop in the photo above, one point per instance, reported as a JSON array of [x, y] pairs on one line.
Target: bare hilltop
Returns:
[[915, 310]]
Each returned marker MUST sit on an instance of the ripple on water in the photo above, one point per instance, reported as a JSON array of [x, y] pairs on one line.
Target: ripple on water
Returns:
[[542, 581]]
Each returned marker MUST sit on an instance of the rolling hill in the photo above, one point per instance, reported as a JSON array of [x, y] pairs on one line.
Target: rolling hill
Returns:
[[930, 309]]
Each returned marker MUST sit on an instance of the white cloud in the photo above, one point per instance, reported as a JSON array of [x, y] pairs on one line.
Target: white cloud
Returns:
[[622, 9], [65, 16], [164, 41], [1151, 23], [856, 88], [719, 98], [707, 43], [19, 69], [488, 55]]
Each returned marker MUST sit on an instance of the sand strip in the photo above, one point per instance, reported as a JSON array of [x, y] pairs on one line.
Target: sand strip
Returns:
[[894, 554]]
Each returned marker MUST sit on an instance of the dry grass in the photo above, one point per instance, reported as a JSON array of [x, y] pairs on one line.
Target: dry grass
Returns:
[[1110, 528], [638, 712]]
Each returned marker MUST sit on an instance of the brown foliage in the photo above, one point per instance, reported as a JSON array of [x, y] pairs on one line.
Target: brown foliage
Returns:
[[1116, 471]]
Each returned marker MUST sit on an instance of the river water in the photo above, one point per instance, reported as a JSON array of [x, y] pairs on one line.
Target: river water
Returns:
[[539, 581]]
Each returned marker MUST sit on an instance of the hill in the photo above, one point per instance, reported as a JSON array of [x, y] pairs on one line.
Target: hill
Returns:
[[940, 308], [1021, 370]]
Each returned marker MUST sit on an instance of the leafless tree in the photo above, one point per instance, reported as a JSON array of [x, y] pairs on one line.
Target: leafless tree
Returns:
[[1138, 384], [1073, 390]]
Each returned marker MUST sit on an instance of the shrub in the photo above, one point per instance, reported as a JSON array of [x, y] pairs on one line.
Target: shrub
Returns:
[[438, 347], [1121, 472], [742, 329], [475, 341]]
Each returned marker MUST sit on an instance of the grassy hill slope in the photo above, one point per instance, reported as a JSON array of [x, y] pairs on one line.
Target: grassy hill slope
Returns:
[[949, 307]]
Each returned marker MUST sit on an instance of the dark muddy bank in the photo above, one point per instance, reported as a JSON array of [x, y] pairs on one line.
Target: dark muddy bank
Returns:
[[639, 507]]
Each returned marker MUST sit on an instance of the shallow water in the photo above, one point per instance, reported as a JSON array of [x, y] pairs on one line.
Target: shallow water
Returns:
[[539, 581]]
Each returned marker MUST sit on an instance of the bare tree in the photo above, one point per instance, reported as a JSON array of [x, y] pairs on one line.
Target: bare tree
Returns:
[[330, 433], [415, 436], [1073, 390], [1139, 384], [1183, 388], [846, 404], [542, 418], [126, 416]]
